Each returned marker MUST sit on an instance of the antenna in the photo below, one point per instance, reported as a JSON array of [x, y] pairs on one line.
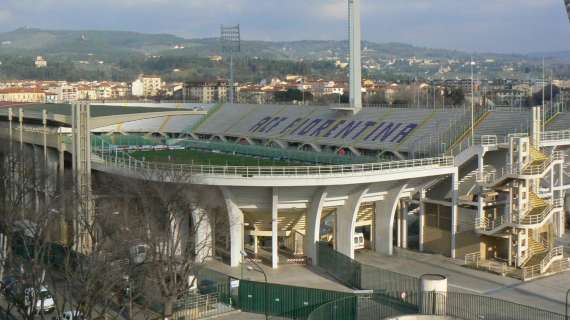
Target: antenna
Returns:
[[231, 44]]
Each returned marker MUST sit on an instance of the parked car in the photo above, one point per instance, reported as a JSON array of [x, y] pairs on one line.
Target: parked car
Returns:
[[44, 299], [359, 241]]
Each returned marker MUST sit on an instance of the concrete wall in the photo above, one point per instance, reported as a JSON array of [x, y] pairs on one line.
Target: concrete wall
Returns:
[[437, 231]]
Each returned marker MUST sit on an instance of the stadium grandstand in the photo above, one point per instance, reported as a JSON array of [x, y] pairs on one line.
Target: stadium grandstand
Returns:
[[291, 176], [485, 186]]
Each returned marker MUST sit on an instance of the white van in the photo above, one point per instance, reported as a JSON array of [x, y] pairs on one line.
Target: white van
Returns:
[[358, 241], [44, 300]]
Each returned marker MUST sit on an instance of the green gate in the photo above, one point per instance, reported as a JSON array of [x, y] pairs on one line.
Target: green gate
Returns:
[[287, 301]]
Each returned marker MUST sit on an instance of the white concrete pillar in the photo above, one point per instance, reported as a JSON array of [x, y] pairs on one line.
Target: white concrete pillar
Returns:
[[21, 128], [314, 213], [385, 216], [404, 220], [561, 166], [235, 220], [399, 225], [346, 221], [203, 237], [255, 245], [275, 228], [552, 185], [480, 206], [422, 221], [454, 210], [510, 250], [481, 163]]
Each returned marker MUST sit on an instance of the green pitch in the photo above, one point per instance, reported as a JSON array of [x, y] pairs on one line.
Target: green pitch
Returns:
[[208, 158]]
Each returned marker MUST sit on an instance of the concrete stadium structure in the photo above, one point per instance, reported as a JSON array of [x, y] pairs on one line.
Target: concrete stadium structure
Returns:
[[494, 200], [483, 185]]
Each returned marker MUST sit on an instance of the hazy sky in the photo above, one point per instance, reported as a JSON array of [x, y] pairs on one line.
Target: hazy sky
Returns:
[[471, 25]]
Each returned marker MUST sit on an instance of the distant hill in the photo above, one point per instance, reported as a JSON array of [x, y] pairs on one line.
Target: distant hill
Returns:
[[117, 44]]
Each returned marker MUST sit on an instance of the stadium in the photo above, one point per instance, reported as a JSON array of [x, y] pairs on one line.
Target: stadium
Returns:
[[485, 185]]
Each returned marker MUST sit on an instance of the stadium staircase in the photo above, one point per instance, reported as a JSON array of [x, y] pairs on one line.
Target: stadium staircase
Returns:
[[538, 213]]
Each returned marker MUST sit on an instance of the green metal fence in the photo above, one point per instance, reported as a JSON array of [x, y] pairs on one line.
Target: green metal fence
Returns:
[[451, 304], [372, 306], [284, 301], [210, 281], [346, 270], [360, 276]]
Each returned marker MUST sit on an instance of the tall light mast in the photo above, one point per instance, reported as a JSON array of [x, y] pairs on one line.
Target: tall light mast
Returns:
[[231, 44], [355, 40]]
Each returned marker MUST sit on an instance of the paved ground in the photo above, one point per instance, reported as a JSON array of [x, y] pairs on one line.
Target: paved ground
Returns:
[[294, 275], [546, 293]]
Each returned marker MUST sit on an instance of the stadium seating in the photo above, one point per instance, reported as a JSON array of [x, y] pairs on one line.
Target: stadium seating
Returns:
[[502, 123], [373, 128], [560, 122]]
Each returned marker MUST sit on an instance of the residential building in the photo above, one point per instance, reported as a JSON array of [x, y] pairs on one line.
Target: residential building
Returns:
[[137, 88], [207, 92], [22, 95], [152, 85], [40, 62]]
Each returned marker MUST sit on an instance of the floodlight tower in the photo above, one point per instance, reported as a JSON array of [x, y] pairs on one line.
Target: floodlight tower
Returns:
[[355, 38], [231, 44]]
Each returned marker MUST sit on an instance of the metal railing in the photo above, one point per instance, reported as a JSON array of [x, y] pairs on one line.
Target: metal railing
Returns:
[[122, 160], [525, 219], [454, 305], [555, 136], [554, 254], [486, 224], [491, 178], [531, 272], [473, 259], [195, 307]]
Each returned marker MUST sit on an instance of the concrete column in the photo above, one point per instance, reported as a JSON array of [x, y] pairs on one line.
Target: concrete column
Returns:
[[314, 213], [235, 220], [179, 233], [275, 228], [404, 220], [21, 129], [562, 174], [44, 133], [255, 245], [454, 210], [481, 162], [422, 221], [510, 249], [346, 221], [480, 207], [203, 237], [399, 225], [551, 182], [385, 216]]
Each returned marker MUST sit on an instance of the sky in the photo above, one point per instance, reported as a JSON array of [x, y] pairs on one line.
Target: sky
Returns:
[[502, 26]]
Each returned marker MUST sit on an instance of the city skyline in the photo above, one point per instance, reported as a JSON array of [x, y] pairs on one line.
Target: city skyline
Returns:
[[506, 26]]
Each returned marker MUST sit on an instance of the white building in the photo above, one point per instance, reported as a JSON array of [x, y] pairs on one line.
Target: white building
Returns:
[[137, 88]]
